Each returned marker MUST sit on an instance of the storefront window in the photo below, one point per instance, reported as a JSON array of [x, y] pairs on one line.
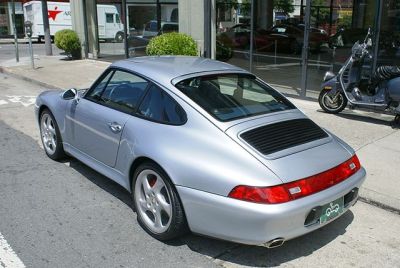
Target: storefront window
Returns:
[[3, 19], [233, 32], [147, 19], [278, 37], [389, 37], [110, 28]]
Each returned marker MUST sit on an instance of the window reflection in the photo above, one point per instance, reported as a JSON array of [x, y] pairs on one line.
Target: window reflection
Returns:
[[148, 19]]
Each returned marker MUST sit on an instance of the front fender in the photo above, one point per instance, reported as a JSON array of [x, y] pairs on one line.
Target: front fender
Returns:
[[57, 106], [331, 85]]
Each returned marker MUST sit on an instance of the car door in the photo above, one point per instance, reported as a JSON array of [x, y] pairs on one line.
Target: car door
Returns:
[[96, 121]]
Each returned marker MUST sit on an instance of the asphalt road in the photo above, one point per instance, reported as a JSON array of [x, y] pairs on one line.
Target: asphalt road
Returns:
[[67, 215]]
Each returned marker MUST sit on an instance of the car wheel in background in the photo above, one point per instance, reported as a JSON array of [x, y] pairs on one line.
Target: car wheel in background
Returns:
[[119, 37], [50, 136], [158, 207]]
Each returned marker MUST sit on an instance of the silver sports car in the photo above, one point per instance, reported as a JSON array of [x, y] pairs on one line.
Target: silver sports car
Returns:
[[204, 146]]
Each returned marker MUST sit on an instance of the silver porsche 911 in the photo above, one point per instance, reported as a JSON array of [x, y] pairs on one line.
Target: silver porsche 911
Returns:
[[204, 146]]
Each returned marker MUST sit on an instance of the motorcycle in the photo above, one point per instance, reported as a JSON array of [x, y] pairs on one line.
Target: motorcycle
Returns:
[[354, 85]]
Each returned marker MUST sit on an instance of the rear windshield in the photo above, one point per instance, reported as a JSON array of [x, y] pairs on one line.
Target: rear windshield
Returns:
[[233, 96]]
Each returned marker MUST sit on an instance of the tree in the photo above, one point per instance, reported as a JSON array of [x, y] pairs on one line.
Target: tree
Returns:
[[284, 6]]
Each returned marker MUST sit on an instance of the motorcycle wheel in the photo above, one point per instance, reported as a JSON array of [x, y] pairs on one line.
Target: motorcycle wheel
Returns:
[[332, 105]]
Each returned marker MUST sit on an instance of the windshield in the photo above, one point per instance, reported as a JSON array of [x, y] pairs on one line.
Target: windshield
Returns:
[[233, 96]]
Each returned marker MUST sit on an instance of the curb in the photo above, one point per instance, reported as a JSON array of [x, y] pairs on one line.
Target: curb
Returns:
[[4, 70], [379, 205]]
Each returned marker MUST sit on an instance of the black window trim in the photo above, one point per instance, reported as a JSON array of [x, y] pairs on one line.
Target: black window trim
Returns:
[[135, 112], [97, 82]]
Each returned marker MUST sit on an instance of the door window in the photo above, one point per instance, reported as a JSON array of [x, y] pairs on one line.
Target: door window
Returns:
[[123, 91], [95, 93], [160, 107], [109, 18], [117, 19]]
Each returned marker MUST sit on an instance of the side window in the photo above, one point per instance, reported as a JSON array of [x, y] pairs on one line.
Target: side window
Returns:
[[160, 107], [124, 91], [117, 19], [109, 18], [95, 93]]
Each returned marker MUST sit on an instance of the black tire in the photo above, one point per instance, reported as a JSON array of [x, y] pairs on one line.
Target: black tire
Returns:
[[332, 107], [40, 39], [119, 37], [58, 153], [178, 225]]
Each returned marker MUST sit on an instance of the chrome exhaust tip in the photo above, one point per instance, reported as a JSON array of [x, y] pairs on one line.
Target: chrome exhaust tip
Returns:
[[274, 243]]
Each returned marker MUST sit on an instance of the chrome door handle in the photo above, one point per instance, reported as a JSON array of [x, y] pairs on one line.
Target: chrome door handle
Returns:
[[115, 127]]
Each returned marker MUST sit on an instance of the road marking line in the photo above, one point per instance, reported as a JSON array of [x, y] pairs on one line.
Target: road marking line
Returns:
[[8, 258], [3, 102], [20, 99]]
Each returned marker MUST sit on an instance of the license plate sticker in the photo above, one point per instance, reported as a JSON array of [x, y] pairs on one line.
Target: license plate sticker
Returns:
[[331, 210]]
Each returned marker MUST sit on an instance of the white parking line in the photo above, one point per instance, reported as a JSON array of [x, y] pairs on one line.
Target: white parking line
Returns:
[[26, 101], [8, 258]]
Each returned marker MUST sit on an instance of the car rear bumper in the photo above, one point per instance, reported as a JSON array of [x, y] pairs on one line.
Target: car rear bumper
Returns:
[[255, 224]]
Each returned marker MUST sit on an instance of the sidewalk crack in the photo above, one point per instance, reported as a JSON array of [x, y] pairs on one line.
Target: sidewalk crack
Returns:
[[381, 138]]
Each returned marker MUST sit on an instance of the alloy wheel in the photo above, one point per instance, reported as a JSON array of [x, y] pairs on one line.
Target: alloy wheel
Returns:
[[48, 133], [153, 201]]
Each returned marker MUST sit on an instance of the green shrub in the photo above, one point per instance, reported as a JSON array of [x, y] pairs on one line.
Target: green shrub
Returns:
[[68, 41], [172, 44]]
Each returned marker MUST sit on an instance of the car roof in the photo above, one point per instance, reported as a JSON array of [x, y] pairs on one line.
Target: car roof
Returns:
[[166, 68]]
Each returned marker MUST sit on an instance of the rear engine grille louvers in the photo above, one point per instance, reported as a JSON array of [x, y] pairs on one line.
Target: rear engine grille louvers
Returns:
[[283, 135]]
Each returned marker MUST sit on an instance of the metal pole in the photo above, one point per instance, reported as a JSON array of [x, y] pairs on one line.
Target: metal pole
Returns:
[[330, 17], [305, 50], [126, 45], [31, 53], [15, 32], [46, 28], [301, 11], [207, 29], [251, 34], [377, 34], [158, 14], [85, 42]]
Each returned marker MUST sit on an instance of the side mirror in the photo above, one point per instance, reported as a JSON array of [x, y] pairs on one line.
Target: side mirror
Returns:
[[70, 94]]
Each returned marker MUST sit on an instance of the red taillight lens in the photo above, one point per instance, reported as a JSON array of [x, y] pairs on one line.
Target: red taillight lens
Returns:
[[297, 189]]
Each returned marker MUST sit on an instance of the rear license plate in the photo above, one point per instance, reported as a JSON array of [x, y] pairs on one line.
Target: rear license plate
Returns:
[[331, 210]]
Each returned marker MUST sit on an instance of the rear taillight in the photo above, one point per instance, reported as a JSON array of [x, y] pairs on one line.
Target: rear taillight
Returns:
[[297, 189]]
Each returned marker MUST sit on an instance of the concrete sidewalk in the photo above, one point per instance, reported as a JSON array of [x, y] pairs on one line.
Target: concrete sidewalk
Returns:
[[11, 40], [370, 134], [56, 71]]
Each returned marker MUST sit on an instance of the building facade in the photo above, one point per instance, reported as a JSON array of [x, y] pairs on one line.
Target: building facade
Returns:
[[264, 36]]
